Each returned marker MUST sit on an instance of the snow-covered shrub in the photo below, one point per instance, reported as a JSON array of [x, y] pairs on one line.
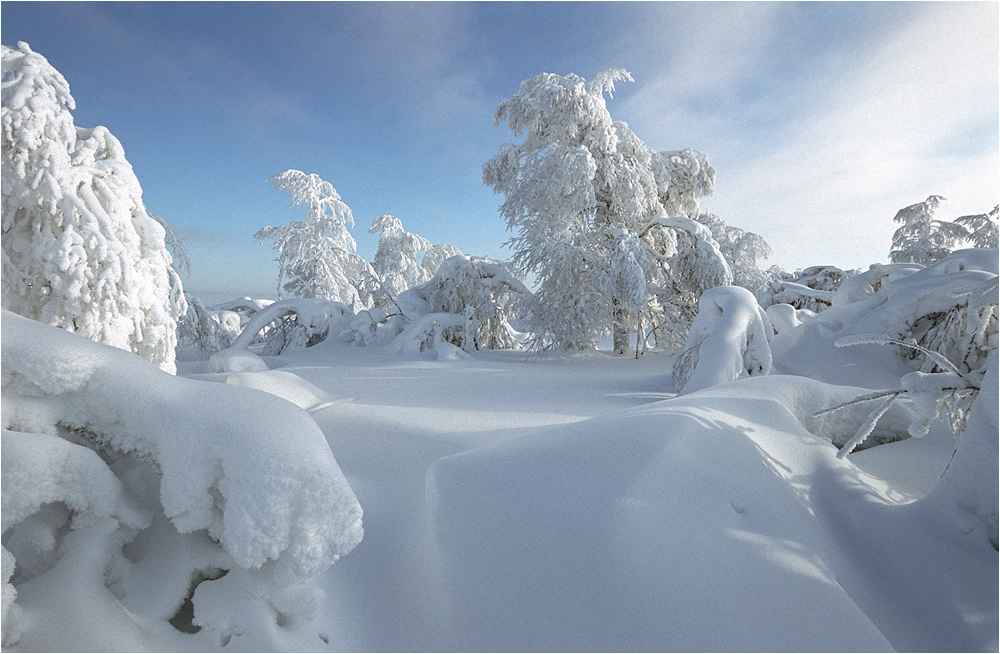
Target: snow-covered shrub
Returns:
[[953, 396], [202, 331], [813, 288], [949, 307], [317, 256], [127, 491], [468, 303], [863, 285], [730, 339], [80, 251], [294, 323], [577, 179], [922, 239]]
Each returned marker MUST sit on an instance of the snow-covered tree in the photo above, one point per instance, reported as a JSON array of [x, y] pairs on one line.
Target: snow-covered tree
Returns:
[[623, 277], [80, 251], [468, 304], [317, 256], [742, 250], [397, 258], [576, 180], [202, 331], [982, 228], [922, 239], [730, 339], [688, 176]]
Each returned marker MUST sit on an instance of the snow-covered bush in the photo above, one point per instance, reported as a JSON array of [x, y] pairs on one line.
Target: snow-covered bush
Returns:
[[80, 251], [202, 331], [317, 256], [730, 339], [575, 181], [952, 396], [293, 323], [922, 239], [949, 307], [468, 304], [813, 288], [130, 494]]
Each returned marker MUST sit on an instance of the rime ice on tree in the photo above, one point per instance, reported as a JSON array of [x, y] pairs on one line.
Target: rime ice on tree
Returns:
[[80, 251], [576, 180]]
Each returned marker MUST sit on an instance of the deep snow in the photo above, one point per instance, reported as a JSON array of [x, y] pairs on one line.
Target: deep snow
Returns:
[[511, 502], [569, 503]]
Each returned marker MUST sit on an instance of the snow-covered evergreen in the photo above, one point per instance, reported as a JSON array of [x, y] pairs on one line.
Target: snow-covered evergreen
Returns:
[[921, 238], [982, 228], [80, 251]]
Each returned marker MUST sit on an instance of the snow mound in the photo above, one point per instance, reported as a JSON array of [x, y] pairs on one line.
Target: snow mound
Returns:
[[108, 434]]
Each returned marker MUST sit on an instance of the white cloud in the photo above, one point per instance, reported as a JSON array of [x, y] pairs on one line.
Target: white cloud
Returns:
[[819, 161], [887, 138]]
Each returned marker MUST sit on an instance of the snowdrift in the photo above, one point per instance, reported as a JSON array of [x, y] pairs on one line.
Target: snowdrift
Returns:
[[163, 483], [716, 521]]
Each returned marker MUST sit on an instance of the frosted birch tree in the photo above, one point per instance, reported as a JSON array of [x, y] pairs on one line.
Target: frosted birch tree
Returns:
[[575, 181], [317, 256], [80, 251]]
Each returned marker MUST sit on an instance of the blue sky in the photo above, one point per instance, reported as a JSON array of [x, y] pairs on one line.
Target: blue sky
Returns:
[[821, 119]]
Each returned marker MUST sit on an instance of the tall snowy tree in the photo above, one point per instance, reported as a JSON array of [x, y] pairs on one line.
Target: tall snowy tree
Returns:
[[575, 181], [317, 256], [80, 251], [922, 239]]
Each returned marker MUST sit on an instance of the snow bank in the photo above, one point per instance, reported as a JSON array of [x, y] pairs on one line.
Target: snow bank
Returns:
[[729, 339], [715, 521], [110, 436]]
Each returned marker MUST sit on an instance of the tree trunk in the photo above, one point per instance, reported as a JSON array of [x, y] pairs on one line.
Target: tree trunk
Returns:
[[620, 335]]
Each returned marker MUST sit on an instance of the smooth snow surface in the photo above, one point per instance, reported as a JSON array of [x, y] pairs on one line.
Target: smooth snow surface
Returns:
[[569, 504]]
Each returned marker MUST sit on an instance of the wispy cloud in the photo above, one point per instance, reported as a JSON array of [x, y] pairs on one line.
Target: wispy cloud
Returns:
[[817, 146], [884, 137]]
